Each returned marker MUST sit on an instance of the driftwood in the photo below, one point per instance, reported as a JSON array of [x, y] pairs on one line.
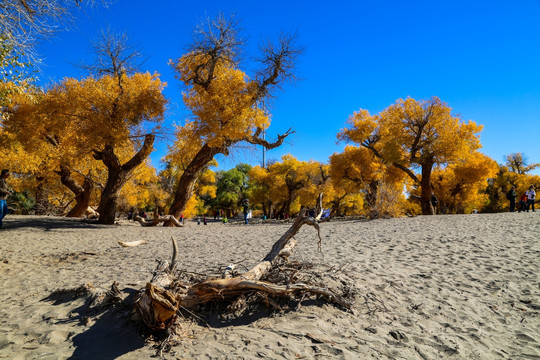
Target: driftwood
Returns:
[[132, 243], [91, 213], [319, 207], [165, 294], [157, 220]]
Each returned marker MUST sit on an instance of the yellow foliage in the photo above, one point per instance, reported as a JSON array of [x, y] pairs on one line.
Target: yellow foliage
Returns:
[[414, 132], [358, 171], [141, 189], [192, 207], [62, 126], [411, 134], [224, 112], [459, 186], [352, 169]]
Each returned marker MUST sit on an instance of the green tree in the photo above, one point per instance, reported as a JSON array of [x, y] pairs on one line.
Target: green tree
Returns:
[[232, 188]]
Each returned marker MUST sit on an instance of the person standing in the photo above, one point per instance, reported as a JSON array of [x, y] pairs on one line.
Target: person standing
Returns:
[[434, 203], [522, 206], [245, 206], [531, 197], [511, 195], [4, 192]]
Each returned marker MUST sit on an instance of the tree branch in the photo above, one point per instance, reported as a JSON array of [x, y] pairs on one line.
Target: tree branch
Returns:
[[142, 154], [256, 140]]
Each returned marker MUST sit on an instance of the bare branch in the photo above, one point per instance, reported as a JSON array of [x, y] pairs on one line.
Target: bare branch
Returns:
[[278, 63], [256, 140], [115, 55], [218, 40], [23, 22], [518, 163]]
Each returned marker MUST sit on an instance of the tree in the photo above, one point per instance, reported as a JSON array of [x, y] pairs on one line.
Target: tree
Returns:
[[226, 103], [15, 73], [232, 188], [358, 171], [260, 184], [129, 99], [414, 134], [78, 121], [500, 184], [518, 163], [79, 118], [285, 185], [460, 186], [23, 22]]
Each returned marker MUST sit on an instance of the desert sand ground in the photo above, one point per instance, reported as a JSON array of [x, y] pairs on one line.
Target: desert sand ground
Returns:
[[428, 287]]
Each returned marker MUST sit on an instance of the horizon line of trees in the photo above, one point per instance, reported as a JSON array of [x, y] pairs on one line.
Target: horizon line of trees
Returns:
[[282, 188], [85, 142]]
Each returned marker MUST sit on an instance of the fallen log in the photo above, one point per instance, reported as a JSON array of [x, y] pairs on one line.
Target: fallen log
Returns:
[[165, 294], [157, 220]]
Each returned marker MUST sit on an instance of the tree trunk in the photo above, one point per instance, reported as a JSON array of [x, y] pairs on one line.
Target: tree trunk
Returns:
[[82, 200], [82, 193], [372, 193], [109, 197], [117, 177], [264, 210], [287, 204], [185, 185], [425, 190]]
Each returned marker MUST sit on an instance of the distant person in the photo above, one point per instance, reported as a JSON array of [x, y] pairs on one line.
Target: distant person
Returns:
[[511, 195], [4, 192], [434, 203], [245, 206], [204, 221], [522, 206], [531, 197]]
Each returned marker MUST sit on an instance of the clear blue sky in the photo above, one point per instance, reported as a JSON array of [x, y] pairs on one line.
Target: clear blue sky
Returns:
[[481, 57]]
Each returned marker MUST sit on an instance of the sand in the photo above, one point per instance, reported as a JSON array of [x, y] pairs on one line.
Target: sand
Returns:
[[429, 287]]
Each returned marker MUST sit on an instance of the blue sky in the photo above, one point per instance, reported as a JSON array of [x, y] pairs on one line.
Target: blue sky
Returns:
[[481, 57]]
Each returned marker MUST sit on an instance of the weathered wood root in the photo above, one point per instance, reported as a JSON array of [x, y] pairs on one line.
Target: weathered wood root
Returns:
[[164, 295], [157, 220], [157, 307]]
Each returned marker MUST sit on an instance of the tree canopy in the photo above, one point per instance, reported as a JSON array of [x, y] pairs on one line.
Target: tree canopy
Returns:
[[414, 134]]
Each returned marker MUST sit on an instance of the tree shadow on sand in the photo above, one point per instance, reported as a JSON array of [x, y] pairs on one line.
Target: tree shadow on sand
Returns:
[[110, 337], [111, 333], [47, 223]]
